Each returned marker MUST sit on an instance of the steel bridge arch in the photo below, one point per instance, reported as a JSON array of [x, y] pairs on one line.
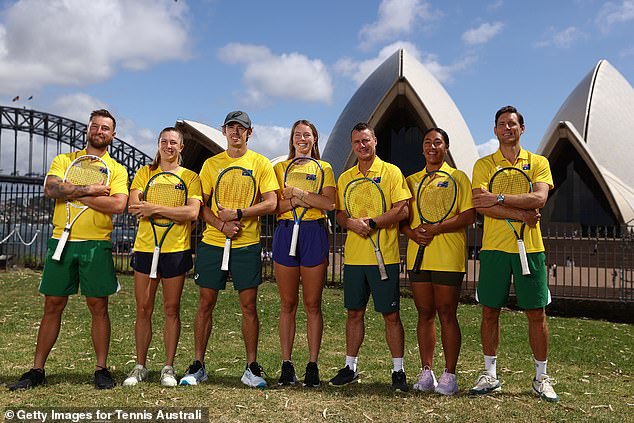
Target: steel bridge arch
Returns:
[[62, 131]]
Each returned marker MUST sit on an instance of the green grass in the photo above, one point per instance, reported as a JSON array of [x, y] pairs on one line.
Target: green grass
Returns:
[[593, 362]]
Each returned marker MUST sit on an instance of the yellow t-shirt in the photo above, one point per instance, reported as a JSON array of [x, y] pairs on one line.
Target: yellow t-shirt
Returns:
[[178, 238], [312, 213], [497, 235], [92, 224], [358, 250], [447, 252], [265, 180]]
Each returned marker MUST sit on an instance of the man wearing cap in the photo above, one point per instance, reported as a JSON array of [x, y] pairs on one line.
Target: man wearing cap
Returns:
[[243, 227]]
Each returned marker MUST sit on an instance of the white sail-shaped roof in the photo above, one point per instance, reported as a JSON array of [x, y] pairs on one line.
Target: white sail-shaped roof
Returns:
[[401, 76]]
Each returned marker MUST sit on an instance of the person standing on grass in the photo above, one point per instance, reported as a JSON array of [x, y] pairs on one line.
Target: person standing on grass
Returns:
[[245, 265], [310, 263], [361, 274], [436, 288], [86, 262], [499, 258], [175, 258]]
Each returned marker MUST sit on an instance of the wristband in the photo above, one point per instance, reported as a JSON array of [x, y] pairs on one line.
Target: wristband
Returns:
[[222, 227], [239, 213]]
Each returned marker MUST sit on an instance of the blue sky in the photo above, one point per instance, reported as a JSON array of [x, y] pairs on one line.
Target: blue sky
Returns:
[[152, 62]]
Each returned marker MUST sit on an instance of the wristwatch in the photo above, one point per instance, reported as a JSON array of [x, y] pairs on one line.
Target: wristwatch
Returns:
[[500, 198], [372, 224]]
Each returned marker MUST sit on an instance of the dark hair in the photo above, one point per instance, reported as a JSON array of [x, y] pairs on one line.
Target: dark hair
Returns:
[[362, 126], [106, 114], [157, 157], [314, 152], [441, 132], [509, 109]]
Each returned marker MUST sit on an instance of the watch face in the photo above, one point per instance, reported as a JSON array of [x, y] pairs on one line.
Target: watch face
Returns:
[[500, 198], [372, 224]]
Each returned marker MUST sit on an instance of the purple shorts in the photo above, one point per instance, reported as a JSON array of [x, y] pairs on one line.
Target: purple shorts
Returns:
[[312, 244]]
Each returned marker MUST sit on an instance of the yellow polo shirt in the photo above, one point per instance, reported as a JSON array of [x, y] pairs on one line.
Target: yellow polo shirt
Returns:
[[265, 180], [358, 250], [92, 224], [312, 213], [497, 235], [447, 252], [178, 238]]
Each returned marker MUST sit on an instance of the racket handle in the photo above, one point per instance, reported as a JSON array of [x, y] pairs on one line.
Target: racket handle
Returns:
[[419, 259], [293, 249], [155, 259], [379, 260], [521, 248], [57, 255], [225, 255]]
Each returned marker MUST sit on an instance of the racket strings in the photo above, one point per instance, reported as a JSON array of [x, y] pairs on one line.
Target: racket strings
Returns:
[[510, 182], [87, 174], [364, 200], [165, 194], [436, 199], [307, 178], [235, 190]]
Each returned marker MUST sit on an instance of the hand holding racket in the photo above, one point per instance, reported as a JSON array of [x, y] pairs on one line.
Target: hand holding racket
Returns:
[[306, 174], [164, 189], [84, 170], [511, 180], [235, 189], [435, 199], [364, 198]]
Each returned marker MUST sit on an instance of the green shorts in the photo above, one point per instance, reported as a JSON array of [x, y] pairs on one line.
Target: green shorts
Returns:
[[438, 277], [245, 266], [361, 281], [494, 282], [85, 265]]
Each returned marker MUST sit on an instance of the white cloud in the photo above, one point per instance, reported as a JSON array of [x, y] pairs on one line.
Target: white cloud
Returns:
[[495, 5], [304, 79], [75, 42], [488, 147], [270, 141], [482, 34], [562, 39], [395, 18], [626, 52], [612, 13], [360, 70]]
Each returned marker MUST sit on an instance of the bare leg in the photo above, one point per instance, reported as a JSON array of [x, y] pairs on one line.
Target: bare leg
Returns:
[[144, 293], [288, 288], [204, 321], [98, 307], [250, 322], [312, 288], [490, 330], [426, 327], [446, 298], [394, 334], [355, 331], [538, 333], [49, 329], [172, 290]]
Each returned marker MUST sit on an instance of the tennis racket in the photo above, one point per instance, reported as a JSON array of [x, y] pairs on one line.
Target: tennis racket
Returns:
[[364, 198], [84, 170], [163, 189], [434, 201], [235, 189], [306, 174], [511, 180]]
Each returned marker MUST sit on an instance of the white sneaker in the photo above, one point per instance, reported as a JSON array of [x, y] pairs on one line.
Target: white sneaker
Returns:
[[168, 376], [195, 374], [543, 388], [426, 380], [485, 385], [253, 376], [447, 384], [138, 374]]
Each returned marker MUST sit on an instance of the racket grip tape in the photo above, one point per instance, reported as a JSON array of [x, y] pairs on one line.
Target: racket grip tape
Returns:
[[225, 255], [294, 238], [521, 248], [379, 260], [155, 260], [419, 259], [57, 255]]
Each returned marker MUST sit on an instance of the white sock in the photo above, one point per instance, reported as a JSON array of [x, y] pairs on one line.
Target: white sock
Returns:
[[351, 362], [490, 365], [398, 364], [540, 368]]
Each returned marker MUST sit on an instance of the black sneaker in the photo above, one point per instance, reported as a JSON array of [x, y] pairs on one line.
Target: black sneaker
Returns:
[[399, 381], [344, 377], [30, 379], [311, 378], [288, 376], [103, 379]]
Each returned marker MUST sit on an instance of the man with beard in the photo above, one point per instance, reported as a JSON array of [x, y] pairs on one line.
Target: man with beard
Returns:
[[86, 262]]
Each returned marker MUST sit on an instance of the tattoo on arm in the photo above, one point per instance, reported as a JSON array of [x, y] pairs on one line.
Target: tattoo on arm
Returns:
[[58, 189]]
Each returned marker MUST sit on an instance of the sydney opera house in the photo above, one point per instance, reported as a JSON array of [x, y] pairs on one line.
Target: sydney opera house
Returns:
[[587, 142]]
